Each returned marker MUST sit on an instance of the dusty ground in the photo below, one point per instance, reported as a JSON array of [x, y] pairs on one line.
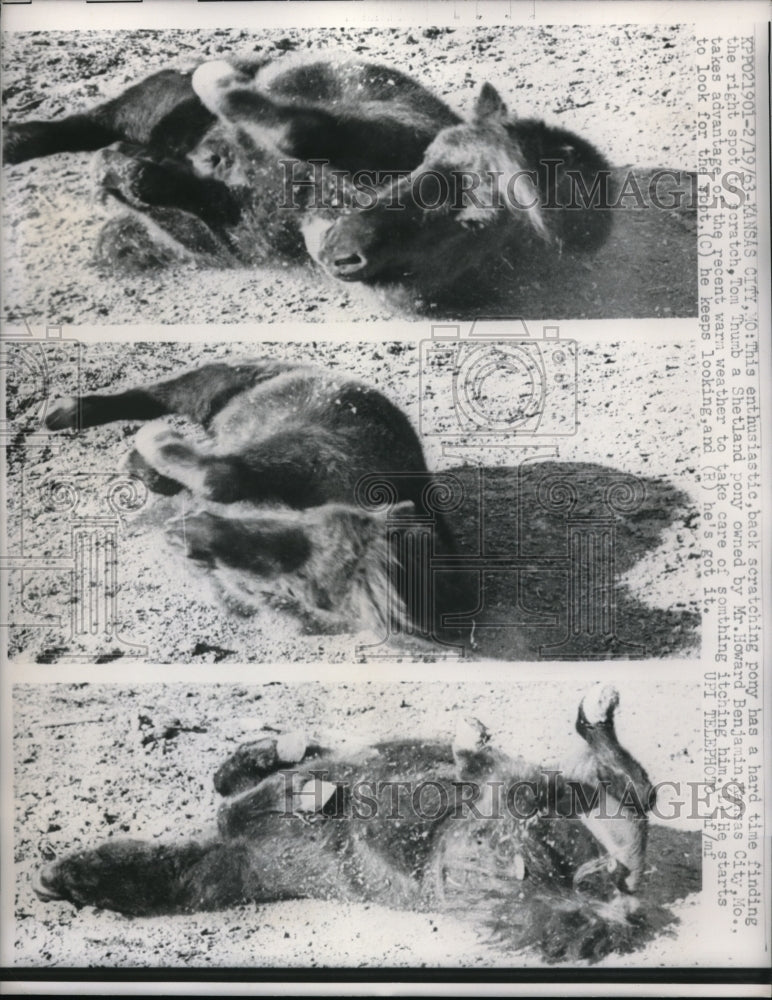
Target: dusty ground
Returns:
[[624, 89], [82, 774], [635, 418]]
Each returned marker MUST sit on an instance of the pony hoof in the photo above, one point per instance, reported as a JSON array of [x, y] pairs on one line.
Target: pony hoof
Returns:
[[291, 747], [43, 884], [598, 706], [63, 414]]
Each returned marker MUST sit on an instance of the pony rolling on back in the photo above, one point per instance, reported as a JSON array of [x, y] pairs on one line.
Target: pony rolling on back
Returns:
[[278, 477], [356, 164], [547, 860]]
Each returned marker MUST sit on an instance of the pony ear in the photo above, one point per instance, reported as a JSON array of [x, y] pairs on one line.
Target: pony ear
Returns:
[[489, 107]]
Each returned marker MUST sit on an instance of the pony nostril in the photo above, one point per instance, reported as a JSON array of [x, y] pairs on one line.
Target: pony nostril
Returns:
[[351, 262], [43, 884]]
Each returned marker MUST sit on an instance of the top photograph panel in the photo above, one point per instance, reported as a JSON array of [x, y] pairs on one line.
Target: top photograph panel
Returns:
[[349, 174]]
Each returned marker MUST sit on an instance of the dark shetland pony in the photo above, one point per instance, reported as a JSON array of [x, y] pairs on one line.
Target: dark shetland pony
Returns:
[[547, 860], [302, 478], [357, 164]]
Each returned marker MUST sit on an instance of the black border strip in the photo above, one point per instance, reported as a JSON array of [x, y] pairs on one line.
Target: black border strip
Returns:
[[751, 975]]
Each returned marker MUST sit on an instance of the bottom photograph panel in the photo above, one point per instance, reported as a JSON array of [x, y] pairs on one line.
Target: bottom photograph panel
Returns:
[[496, 824]]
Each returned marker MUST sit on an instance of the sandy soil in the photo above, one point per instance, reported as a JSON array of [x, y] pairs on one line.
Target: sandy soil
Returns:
[[83, 774], [630, 400], [623, 89]]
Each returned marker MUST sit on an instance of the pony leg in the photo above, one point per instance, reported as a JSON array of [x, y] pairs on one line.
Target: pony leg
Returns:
[[197, 394], [618, 817]]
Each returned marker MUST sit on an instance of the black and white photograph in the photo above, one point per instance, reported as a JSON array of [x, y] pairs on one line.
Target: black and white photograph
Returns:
[[385, 526], [349, 174], [365, 824], [188, 503]]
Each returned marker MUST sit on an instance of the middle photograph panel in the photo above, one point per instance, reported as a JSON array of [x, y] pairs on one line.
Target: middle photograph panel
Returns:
[[318, 501]]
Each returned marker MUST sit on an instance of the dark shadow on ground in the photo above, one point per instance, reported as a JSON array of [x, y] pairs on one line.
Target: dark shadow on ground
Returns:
[[646, 267], [675, 864], [547, 543]]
